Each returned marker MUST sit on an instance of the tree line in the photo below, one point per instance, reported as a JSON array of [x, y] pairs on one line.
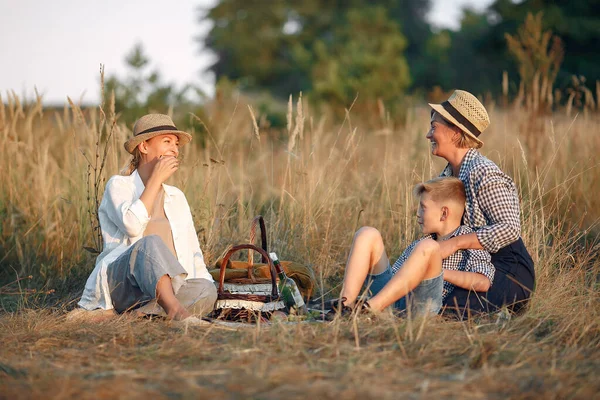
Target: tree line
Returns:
[[332, 51]]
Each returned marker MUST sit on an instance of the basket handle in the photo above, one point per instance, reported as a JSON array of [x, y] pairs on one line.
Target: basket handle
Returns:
[[262, 252], [263, 238]]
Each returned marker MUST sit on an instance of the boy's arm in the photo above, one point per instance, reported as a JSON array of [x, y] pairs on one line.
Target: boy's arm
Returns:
[[478, 274]]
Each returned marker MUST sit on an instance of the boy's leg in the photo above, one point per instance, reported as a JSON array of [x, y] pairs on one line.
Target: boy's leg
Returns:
[[367, 256], [425, 262]]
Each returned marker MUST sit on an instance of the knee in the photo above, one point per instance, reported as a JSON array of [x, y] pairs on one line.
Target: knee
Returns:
[[211, 293], [427, 247], [368, 233]]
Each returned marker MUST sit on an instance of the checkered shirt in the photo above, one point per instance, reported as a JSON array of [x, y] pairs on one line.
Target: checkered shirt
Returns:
[[492, 208], [468, 260]]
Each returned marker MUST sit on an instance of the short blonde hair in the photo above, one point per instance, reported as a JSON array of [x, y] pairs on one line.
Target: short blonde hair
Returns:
[[443, 189]]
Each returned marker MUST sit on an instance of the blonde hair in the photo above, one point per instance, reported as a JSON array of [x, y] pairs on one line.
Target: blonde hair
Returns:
[[133, 164], [467, 142], [443, 189]]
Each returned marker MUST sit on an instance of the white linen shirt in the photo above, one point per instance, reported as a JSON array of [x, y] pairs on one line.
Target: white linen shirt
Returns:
[[123, 219]]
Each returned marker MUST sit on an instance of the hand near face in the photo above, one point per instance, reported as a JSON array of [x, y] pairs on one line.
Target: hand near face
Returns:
[[165, 167]]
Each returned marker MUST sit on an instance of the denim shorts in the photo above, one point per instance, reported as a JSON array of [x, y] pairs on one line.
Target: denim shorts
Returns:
[[426, 298]]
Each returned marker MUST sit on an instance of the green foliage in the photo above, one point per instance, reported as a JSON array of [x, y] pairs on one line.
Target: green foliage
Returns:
[[577, 23], [333, 48], [539, 61], [366, 59]]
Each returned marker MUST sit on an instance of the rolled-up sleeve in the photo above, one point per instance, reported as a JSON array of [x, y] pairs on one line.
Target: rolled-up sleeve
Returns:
[[499, 202], [480, 261], [126, 211]]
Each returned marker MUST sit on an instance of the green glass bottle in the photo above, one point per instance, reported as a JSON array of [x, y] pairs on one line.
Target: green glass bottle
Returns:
[[288, 289]]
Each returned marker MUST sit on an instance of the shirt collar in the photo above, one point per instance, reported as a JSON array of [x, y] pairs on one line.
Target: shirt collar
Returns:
[[169, 191], [448, 236], [137, 181], [471, 155]]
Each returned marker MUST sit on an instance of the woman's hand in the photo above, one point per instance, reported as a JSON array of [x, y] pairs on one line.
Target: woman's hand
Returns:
[[451, 246], [467, 280], [164, 168]]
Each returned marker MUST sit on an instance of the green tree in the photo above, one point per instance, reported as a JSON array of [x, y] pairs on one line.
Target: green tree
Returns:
[[539, 55], [366, 59], [576, 23], [411, 15], [275, 45]]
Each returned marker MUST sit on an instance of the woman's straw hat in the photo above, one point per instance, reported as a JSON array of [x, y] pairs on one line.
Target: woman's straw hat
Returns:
[[152, 125], [465, 111]]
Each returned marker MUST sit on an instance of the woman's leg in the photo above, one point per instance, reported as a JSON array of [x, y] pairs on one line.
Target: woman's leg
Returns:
[[367, 256], [513, 284], [463, 303], [143, 273], [198, 296], [425, 262], [509, 290], [167, 300]]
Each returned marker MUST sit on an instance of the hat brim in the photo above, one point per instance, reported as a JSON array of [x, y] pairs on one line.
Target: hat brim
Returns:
[[131, 144], [439, 109]]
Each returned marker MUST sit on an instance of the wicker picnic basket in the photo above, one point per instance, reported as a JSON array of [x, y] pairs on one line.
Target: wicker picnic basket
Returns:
[[236, 302], [248, 277]]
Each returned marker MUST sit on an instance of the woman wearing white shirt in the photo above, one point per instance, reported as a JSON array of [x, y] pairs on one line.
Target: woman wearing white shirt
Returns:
[[151, 252]]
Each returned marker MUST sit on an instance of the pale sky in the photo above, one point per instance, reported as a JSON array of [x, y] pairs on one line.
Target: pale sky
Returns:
[[57, 46]]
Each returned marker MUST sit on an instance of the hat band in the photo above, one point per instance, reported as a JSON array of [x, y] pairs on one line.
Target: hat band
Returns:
[[158, 128], [460, 118]]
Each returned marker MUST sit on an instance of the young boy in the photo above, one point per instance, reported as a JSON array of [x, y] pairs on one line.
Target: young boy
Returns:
[[420, 270]]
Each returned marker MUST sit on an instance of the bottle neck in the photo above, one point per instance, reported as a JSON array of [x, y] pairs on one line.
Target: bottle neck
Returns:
[[278, 268]]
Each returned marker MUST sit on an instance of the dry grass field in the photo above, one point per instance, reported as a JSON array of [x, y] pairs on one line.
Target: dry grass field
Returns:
[[315, 184]]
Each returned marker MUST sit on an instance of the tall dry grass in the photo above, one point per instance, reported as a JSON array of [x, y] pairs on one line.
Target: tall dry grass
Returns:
[[315, 183]]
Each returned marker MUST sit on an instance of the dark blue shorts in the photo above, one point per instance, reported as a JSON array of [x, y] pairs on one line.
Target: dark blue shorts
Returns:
[[426, 298]]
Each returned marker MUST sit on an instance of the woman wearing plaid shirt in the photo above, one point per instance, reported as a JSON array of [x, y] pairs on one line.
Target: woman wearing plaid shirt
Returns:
[[492, 206]]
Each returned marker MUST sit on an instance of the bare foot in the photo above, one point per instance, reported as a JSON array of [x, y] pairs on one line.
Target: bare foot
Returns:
[[190, 321], [179, 314], [94, 316]]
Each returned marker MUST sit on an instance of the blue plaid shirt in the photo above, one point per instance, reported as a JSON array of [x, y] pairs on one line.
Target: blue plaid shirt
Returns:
[[492, 206], [468, 260]]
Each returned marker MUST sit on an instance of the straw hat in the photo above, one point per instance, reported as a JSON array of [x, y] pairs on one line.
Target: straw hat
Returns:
[[152, 125], [465, 111]]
